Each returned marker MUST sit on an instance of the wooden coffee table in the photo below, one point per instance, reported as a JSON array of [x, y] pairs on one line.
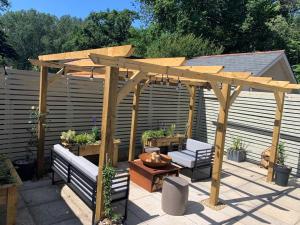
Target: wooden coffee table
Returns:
[[148, 178]]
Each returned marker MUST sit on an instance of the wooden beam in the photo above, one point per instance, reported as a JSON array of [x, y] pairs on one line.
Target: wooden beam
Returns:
[[42, 121], [232, 78], [219, 145], [125, 51], [107, 132], [218, 93], [279, 97], [129, 85], [134, 121], [235, 94], [202, 69], [191, 111], [176, 61], [59, 65]]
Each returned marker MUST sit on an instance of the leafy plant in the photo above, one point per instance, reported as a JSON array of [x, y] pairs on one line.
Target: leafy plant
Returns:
[[5, 175], [281, 154], [34, 118], [96, 133], [171, 130], [238, 144], [85, 138], [151, 134], [68, 137], [109, 173]]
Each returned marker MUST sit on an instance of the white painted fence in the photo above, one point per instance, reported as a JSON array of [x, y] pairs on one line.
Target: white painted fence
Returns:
[[74, 102], [251, 117]]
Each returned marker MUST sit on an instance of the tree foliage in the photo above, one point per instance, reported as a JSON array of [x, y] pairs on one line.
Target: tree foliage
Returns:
[[6, 50], [103, 29], [238, 25], [174, 44], [33, 33]]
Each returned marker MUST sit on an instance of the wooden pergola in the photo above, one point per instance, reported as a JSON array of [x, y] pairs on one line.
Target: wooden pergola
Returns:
[[115, 63]]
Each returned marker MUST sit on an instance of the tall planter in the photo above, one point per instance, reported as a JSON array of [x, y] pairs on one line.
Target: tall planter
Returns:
[[25, 168], [236, 155], [282, 174]]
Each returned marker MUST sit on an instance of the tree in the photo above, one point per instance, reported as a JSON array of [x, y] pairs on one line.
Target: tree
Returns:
[[103, 29], [174, 45], [32, 33], [238, 25], [6, 50], [4, 4]]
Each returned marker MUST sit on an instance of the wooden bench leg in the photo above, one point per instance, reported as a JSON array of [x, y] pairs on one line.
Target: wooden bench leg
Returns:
[[11, 205]]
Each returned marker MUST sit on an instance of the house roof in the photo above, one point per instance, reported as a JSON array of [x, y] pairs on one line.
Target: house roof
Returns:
[[255, 62]]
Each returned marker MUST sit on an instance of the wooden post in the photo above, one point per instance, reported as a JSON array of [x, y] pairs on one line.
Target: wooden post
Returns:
[[134, 121], [219, 145], [279, 96], [42, 120], [107, 131], [191, 111]]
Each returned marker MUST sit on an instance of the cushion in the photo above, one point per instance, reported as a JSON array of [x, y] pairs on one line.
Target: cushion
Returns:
[[194, 145], [64, 152], [184, 158], [86, 167]]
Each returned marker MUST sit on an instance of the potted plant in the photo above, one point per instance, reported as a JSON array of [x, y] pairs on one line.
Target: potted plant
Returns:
[[26, 166], [237, 151], [111, 218], [282, 172]]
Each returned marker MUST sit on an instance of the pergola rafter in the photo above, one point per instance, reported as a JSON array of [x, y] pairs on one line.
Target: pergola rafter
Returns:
[[112, 64]]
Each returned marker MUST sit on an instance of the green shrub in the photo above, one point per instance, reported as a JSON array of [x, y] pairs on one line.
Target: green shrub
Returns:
[[281, 154], [5, 176], [151, 134], [85, 138], [238, 144]]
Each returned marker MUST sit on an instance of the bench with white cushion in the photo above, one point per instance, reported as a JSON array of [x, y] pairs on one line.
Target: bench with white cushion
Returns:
[[197, 157], [81, 176]]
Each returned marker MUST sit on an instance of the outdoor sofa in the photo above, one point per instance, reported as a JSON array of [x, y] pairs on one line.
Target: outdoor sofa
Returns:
[[196, 158], [81, 176]]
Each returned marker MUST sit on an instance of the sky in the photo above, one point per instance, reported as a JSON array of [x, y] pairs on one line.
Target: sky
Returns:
[[78, 8]]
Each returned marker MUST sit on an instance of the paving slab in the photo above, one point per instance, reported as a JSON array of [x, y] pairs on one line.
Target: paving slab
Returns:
[[248, 197], [51, 213], [41, 195], [24, 217]]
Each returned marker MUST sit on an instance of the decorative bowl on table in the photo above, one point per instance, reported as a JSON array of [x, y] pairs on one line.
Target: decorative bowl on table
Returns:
[[155, 160]]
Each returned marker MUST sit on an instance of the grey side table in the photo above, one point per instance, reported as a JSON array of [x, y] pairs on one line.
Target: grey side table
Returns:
[[175, 193]]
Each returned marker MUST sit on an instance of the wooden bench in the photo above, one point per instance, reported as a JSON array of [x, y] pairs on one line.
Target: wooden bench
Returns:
[[81, 176], [196, 158]]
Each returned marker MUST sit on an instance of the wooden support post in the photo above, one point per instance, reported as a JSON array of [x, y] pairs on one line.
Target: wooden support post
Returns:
[[42, 120], [279, 96], [107, 131], [134, 121], [191, 111], [220, 144]]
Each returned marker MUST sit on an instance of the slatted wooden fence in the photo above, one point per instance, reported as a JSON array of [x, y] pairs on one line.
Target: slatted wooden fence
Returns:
[[251, 117], [73, 102]]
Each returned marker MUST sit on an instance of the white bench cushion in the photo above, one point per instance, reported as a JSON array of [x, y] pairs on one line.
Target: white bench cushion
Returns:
[[82, 164], [184, 158], [64, 152], [194, 145]]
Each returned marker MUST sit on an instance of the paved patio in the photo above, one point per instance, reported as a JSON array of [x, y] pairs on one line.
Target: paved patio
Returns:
[[249, 200]]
